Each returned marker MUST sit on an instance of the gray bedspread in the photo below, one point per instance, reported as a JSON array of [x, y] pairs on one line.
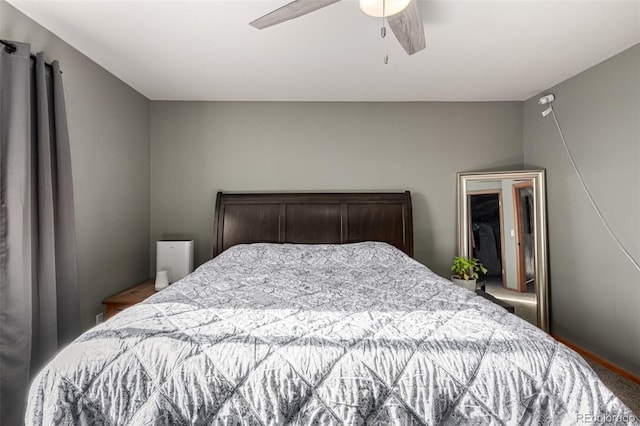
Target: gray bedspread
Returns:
[[296, 334]]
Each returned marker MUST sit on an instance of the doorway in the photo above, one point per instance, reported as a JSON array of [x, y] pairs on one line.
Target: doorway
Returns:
[[523, 210], [487, 232]]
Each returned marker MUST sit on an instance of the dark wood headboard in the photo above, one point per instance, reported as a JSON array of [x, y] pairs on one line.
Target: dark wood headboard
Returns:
[[313, 218]]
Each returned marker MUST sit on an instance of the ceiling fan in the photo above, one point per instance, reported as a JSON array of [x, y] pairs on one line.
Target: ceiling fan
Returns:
[[403, 17]]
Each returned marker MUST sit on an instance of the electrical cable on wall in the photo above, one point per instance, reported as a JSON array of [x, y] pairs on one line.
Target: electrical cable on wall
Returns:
[[548, 99]]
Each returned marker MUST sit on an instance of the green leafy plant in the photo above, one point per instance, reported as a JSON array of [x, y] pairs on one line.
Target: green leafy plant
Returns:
[[467, 268]]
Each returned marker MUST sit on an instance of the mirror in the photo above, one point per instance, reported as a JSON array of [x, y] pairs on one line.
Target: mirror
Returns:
[[502, 222]]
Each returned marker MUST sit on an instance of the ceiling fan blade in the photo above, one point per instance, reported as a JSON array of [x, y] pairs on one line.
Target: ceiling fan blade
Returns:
[[289, 11], [409, 28]]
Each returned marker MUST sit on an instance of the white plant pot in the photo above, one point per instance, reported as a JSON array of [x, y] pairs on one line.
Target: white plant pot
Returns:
[[468, 284]]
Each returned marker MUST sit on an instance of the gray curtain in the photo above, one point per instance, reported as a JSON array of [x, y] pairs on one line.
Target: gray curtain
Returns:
[[39, 309]]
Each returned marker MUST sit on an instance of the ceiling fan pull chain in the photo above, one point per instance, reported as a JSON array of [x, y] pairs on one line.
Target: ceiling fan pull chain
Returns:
[[383, 30]]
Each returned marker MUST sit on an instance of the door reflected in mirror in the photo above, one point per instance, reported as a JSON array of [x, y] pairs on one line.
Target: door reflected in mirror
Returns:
[[502, 223]]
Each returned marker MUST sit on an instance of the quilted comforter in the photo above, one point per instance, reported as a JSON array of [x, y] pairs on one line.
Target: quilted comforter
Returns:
[[353, 334]]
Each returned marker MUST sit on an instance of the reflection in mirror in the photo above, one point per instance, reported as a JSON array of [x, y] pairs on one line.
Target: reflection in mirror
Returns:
[[502, 222]]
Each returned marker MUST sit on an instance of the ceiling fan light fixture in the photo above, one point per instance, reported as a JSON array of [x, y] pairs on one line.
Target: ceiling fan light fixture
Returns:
[[375, 7]]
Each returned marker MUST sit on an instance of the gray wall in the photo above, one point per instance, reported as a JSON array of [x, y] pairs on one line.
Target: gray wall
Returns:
[[595, 289], [109, 132], [199, 148]]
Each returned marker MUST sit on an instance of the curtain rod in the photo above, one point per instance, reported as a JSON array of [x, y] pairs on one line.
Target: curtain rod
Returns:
[[11, 48]]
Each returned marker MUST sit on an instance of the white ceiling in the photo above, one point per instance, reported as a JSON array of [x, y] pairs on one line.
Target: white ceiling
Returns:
[[206, 50]]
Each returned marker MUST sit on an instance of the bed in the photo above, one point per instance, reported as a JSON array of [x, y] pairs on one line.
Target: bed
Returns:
[[314, 312]]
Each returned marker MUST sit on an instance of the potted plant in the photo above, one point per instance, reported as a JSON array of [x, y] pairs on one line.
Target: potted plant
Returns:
[[465, 271]]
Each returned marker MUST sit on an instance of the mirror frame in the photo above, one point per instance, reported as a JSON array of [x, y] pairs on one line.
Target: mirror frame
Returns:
[[540, 258]]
